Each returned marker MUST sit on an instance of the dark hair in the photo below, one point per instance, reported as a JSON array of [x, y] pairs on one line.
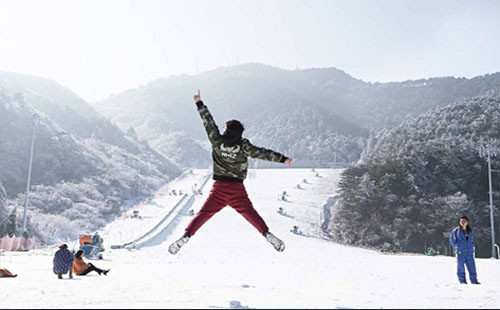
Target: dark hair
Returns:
[[467, 219], [79, 254], [235, 125]]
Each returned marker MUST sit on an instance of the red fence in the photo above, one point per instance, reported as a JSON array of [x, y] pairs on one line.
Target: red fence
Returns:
[[17, 243]]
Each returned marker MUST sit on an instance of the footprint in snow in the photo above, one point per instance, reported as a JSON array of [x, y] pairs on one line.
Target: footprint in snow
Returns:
[[235, 304]]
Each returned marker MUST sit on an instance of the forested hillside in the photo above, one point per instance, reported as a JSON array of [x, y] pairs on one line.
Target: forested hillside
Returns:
[[416, 179], [84, 167]]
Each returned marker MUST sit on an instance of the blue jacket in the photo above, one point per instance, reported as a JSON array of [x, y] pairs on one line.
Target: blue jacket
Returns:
[[63, 261], [460, 242]]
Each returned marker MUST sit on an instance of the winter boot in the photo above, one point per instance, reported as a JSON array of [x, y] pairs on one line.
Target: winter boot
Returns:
[[277, 243], [177, 245]]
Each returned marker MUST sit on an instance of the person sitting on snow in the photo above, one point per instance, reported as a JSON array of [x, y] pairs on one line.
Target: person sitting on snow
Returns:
[[135, 214], [63, 260], [230, 152], [4, 273], [80, 268]]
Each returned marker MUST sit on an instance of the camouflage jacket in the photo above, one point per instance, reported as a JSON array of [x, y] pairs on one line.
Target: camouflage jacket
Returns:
[[230, 163]]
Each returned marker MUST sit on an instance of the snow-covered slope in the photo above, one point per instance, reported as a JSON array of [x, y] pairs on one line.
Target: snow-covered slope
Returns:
[[83, 165], [228, 262]]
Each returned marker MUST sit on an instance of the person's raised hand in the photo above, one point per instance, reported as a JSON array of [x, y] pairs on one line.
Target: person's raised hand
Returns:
[[197, 97], [289, 161]]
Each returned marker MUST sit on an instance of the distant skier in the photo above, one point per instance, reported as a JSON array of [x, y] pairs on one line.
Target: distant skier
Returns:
[[462, 240], [283, 196], [135, 215], [230, 154]]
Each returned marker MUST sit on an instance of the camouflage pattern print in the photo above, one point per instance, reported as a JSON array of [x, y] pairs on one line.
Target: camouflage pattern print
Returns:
[[232, 161]]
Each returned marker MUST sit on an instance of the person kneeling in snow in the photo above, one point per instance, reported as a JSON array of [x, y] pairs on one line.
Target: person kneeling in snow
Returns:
[[80, 268], [4, 273], [63, 261], [230, 154]]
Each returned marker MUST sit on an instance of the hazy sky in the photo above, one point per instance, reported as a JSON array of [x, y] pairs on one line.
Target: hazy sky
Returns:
[[101, 47]]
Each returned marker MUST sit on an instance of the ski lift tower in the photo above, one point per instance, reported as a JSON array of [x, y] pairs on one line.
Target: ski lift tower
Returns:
[[35, 120], [487, 151]]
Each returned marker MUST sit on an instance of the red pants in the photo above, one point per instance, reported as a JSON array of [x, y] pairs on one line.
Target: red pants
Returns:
[[221, 195]]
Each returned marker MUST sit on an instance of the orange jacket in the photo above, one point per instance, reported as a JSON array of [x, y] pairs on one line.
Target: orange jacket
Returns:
[[79, 266]]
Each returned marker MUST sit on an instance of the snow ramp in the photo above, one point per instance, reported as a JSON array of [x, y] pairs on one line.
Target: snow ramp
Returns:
[[163, 229]]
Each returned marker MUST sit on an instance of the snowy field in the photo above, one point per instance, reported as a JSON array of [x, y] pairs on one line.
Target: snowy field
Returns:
[[229, 264]]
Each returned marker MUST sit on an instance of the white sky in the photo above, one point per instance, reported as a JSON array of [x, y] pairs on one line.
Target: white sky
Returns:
[[100, 47]]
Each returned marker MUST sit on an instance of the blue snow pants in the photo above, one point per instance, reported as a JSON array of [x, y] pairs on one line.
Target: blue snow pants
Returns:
[[466, 258]]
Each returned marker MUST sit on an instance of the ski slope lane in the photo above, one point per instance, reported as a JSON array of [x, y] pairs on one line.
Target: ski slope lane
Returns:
[[154, 213], [229, 264]]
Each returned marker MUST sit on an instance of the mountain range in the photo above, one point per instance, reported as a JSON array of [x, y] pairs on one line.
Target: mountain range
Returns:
[[84, 167], [321, 117]]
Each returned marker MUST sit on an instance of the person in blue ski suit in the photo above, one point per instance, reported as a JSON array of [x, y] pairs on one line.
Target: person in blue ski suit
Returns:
[[96, 239], [462, 240]]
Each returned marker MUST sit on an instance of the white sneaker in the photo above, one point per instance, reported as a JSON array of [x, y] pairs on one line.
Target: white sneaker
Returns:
[[277, 243], [177, 245]]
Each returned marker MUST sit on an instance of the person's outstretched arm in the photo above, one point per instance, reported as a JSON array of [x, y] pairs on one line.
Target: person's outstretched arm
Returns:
[[208, 121], [265, 154]]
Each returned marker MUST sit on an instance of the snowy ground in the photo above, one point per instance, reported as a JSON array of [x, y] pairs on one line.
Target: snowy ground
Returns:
[[229, 262]]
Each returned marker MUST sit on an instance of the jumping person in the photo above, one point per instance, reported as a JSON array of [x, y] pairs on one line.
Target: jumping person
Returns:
[[462, 240], [230, 154], [81, 268]]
